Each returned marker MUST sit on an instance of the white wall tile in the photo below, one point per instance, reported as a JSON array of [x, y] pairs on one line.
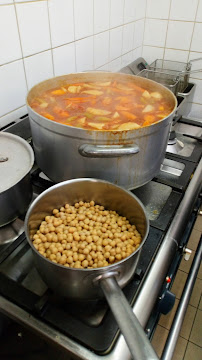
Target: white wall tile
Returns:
[[197, 94], [38, 68], [127, 59], [140, 9], [5, 2], [64, 59], [196, 65], [138, 33], [150, 53], [13, 87], [21, 1], [101, 49], [179, 35], [196, 112], [104, 67], [199, 12], [158, 9], [101, 15], [128, 34], [13, 116], [184, 10], [83, 18], [196, 44], [176, 55], [155, 32], [129, 11], [9, 38], [61, 21], [115, 43], [137, 53], [84, 54], [34, 27], [116, 13], [115, 65]]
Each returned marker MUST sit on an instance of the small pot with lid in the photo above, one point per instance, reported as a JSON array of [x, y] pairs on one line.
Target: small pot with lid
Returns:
[[16, 161]]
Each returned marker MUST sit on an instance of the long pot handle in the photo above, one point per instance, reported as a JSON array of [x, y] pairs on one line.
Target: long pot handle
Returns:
[[107, 151], [129, 325]]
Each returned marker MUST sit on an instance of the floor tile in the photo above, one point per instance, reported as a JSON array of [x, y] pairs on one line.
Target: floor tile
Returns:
[[200, 304], [159, 339], [188, 322], [198, 223], [196, 293], [185, 265], [195, 336], [166, 320], [180, 349], [194, 239], [193, 352], [179, 283], [199, 276]]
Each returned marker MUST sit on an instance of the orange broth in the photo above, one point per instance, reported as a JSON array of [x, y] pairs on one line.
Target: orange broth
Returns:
[[110, 105]]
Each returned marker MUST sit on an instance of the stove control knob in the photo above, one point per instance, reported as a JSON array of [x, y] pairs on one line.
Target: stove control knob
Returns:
[[187, 254]]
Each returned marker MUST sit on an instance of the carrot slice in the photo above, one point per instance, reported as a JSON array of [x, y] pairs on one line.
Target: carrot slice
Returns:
[[129, 115], [48, 116], [60, 112], [58, 92]]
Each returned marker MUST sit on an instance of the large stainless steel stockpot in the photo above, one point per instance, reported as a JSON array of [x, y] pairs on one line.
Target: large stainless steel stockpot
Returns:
[[127, 158], [16, 161], [84, 284]]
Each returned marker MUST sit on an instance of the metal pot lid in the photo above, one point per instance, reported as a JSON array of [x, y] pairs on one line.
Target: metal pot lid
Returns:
[[16, 160]]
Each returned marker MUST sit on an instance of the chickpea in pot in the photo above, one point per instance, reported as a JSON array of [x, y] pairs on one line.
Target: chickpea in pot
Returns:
[[85, 236]]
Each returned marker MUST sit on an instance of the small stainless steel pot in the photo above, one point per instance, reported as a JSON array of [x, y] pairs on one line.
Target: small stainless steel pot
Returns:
[[84, 284], [16, 161], [128, 158]]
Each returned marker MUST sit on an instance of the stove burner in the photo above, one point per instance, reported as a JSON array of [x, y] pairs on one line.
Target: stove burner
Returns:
[[10, 232]]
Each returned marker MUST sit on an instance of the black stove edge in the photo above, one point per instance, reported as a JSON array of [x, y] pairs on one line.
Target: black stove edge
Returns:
[[182, 181]]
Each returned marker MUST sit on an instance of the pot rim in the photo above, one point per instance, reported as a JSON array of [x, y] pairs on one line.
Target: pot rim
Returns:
[[31, 154], [102, 131], [104, 268]]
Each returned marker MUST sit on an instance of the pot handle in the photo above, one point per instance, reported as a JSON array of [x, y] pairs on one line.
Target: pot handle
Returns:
[[129, 325], [107, 151]]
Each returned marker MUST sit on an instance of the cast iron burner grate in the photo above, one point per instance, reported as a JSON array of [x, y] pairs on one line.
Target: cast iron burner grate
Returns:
[[92, 323]]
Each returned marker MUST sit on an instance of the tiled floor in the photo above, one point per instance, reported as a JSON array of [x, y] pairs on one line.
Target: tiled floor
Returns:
[[189, 345]]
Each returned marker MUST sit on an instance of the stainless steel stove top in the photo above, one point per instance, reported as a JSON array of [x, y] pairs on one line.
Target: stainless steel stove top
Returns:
[[168, 199]]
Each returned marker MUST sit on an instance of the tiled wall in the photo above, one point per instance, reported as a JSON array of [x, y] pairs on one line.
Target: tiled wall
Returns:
[[44, 38], [40, 39], [173, 31]]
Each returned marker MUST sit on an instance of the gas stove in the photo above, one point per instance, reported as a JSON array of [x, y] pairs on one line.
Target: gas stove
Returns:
[[88, 330]]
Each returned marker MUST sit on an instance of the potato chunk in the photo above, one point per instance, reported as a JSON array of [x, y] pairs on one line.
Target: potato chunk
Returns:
[[95, 111], [97, 126], [156, 95], [129, 126], [74, 89], [92, 92], [148, 108]]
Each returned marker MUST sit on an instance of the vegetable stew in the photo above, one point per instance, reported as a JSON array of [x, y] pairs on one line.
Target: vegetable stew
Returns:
[[110, 105]]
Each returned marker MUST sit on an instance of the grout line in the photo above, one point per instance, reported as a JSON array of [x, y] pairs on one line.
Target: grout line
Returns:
[[49, 25], [16, 15], [167, 30], [75, 63]]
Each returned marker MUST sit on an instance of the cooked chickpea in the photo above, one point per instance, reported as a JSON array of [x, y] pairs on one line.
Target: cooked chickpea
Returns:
[[85, 236]]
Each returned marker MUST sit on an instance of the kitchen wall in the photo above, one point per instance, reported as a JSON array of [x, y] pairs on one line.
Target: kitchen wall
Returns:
[[45, 38], [40, 39], [173, 31]]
